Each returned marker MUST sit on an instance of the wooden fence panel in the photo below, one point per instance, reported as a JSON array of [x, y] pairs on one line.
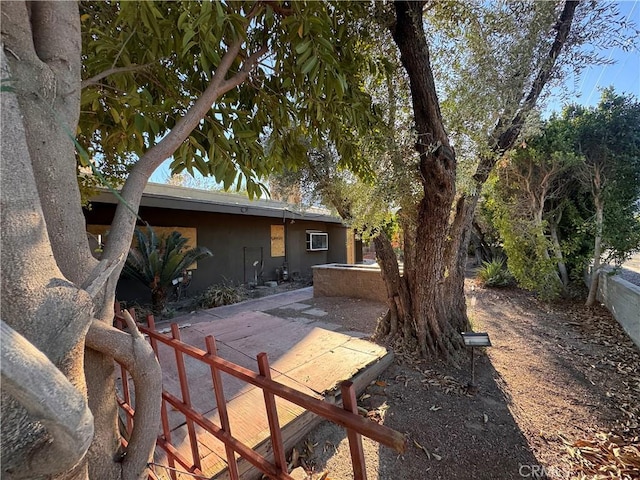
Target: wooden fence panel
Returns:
[[346, 416]]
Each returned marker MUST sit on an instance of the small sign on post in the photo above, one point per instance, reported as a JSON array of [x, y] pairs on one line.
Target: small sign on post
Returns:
[[475, 339]]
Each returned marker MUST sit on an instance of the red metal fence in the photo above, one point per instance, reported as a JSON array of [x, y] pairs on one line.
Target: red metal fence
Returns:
[[347, 416]]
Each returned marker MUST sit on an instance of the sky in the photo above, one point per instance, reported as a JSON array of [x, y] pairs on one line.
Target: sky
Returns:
[[623, 74]]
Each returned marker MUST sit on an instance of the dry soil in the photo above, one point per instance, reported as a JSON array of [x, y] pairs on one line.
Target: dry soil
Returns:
[[558, 397]]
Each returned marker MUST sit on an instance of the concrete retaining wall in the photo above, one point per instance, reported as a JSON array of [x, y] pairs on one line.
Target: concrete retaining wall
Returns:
[[622, 298], [345, 280]]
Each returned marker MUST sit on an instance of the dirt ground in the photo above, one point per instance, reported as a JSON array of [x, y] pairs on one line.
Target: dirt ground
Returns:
[[558, 398]]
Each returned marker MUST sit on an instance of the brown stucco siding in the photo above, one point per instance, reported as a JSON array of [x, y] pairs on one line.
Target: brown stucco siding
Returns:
[[235, 240]]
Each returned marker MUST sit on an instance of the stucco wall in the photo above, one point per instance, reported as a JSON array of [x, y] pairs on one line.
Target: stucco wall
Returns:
[[355, 281], [234, 240], [622, 298]]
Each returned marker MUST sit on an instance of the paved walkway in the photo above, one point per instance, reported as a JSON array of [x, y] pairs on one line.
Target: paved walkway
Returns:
[[631, 270], [304, 353], [262, 304]]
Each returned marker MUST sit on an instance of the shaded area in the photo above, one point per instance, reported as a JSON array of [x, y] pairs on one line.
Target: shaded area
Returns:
[[557, 378], [451, 434], [572, 373]]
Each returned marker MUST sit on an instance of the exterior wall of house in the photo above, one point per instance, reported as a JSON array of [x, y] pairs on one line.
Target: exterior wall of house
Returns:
[[237, 241]]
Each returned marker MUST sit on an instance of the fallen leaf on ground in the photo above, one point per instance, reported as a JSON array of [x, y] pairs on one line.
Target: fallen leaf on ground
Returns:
[[606, 456], [423, 449]]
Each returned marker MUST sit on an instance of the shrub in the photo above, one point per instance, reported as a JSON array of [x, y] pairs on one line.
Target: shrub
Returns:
[[494, 274], [218, 295], [157, 261]]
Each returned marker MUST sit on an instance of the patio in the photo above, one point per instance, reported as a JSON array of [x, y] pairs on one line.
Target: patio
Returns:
[[304, 353]]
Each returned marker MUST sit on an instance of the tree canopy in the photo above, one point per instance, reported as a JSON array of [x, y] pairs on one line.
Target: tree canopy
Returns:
[[569, 195], [296, 71], [471, 78]]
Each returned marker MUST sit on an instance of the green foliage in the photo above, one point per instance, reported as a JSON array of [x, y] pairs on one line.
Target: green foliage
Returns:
[[528, 260], [608, 137], [218, 295], [391, 227], [576, 233], [162, 55], [550, 183], [494, 274], [157, 261], [487, 55], [323, 181]]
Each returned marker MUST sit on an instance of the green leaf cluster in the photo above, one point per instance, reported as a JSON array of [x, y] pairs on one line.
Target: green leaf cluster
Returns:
[[608, 138], [308, 81], [157, 261], [548, 187], [494, 274], [527, 250]]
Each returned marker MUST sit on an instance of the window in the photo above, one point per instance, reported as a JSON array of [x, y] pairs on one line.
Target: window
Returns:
[[317, 241]]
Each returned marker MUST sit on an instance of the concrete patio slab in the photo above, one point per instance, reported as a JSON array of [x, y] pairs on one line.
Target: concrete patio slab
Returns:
[[305, 354]]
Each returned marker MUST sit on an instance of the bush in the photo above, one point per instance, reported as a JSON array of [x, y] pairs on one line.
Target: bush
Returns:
[[157, 261], [494, 274], [218, 295]]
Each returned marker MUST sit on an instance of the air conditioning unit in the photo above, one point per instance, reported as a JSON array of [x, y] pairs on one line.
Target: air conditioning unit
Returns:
[[317, 241]]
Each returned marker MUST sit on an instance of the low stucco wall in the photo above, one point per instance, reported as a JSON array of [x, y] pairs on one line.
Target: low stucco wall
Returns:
[[622, 298], [346, 280]]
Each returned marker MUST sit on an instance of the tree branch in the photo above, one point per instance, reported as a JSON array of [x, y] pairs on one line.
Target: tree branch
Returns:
[[506, 140], [132, 351], [16, 38], [112, 71], [48, 396], [124, 221], [100, 275], [279, 9], [244, 72], [501, 142]]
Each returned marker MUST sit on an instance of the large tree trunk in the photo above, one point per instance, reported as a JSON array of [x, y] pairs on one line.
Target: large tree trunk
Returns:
[[51, 285], [441, 240], [34, 289], [430, 296], [399, 318]]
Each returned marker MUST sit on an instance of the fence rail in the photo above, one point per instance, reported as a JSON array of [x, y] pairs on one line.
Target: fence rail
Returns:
[[347, 416]]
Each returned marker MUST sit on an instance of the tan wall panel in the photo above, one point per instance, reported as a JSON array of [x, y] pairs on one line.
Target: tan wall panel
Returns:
[[351, 244], [277, 241], [191, 234]]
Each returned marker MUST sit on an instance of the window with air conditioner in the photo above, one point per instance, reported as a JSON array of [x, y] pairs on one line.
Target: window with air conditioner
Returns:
[[317, 241]]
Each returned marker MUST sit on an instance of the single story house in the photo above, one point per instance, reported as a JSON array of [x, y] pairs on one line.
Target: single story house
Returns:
[[251, 240]]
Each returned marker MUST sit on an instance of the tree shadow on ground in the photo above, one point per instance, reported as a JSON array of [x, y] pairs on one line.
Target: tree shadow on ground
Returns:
[[450, 433]]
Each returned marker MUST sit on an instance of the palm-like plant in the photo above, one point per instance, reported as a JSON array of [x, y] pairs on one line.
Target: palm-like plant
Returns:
[[157, 261]]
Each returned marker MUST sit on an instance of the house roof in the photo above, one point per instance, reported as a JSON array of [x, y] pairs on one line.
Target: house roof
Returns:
[[181, 198]]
